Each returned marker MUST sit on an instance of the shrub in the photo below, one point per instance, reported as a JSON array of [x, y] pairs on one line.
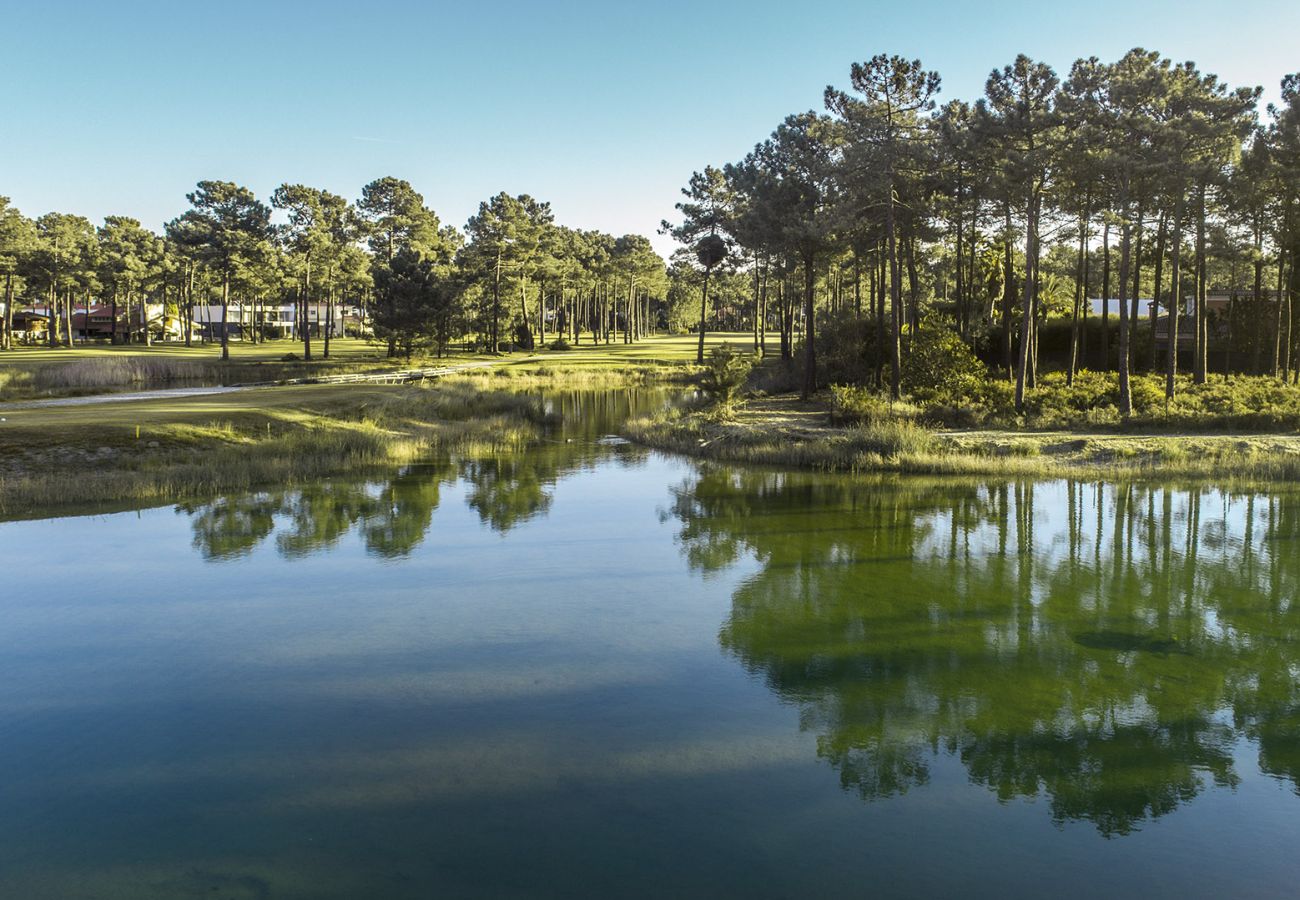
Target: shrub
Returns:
[[560, 345], [852, 404], [845, 350], [939, 366], [725, 372], [892, 437]]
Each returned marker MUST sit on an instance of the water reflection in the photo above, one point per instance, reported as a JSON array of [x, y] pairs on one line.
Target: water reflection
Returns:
[[1109, 648], [393, 513]]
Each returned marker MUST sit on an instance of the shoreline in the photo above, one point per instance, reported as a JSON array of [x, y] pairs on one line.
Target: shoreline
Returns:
[[783, 431], [184, 445], [217, 448], [187, 445]]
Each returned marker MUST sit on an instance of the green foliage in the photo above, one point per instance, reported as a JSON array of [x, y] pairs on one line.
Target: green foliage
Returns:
[[892, 438], [939, 365], [413, 301], [855, 404], [845, 350], [725, 372]]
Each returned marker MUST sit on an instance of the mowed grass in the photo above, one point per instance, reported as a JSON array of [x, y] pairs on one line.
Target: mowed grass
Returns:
[[30, 373], [271, 351], [664, 350], [673, 349], [35, 372], [116, 423]]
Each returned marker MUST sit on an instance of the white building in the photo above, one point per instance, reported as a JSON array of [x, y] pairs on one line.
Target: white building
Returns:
[[275, 320]]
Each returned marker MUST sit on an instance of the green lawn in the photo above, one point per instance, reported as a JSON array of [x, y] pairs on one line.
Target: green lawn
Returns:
[[675, 349], [663, 349], [115, 423], [343, 348]]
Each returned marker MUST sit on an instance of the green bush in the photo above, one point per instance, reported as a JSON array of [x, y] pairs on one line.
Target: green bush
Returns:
[[725, 372], [846, 350], [939, 367], [853, 404], [560, 345]]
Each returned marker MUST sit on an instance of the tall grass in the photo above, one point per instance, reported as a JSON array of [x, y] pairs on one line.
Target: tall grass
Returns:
[[103, 373], [193, 461], [904, 446], [700, 433]]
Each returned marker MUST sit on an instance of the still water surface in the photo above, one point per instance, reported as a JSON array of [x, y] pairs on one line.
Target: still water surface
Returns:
[[589, 670]]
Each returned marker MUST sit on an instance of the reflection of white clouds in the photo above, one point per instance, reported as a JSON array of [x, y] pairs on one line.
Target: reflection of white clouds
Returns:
[[450, 686], [214, 877], [479, 765]]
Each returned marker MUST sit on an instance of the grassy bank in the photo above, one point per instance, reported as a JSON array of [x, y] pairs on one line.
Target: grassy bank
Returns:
[[35, 373], [172, 448], [781, 430], [164, 451], [32, 373]]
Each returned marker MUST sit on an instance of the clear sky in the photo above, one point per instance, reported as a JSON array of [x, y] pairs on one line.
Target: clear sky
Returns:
[[604, 109]]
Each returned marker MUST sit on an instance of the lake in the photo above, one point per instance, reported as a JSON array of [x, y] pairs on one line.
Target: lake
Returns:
[[589, 670]]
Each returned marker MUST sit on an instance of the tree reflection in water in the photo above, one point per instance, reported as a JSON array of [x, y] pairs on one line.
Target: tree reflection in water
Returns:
[[1105, 646], [507, 486]]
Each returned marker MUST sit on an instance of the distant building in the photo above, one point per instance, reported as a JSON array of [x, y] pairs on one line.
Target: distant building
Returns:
[[30, 326], [1095, 304], [1219, 336], [273, 320]]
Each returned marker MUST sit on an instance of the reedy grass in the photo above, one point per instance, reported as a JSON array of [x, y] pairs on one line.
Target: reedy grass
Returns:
[[185, 460], [106, 374], [547, 374], [902, 446]]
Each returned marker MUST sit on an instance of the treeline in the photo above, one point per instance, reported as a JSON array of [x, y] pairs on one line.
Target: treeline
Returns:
[[887, 216], [511, 277]]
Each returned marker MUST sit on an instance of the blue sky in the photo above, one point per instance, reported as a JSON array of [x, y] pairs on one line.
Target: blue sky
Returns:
[[604, 109]]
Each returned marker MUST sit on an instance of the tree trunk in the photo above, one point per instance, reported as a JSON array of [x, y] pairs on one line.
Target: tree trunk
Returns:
[[963, 325], [895, 296], [306, 314], [809, 327], [1137, 282], [913, 289], [8, 328], [704, 306], [1008, 294], [541, 311], [1027, 302], [67, 319], [1175, 298], [328, 325], [1125, 248], [496, 306], [1078, 297], [1162, 237], [1277, 335], [1105, 296], [187, 319], [523, 307], [225, 304], [1200, 365]]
